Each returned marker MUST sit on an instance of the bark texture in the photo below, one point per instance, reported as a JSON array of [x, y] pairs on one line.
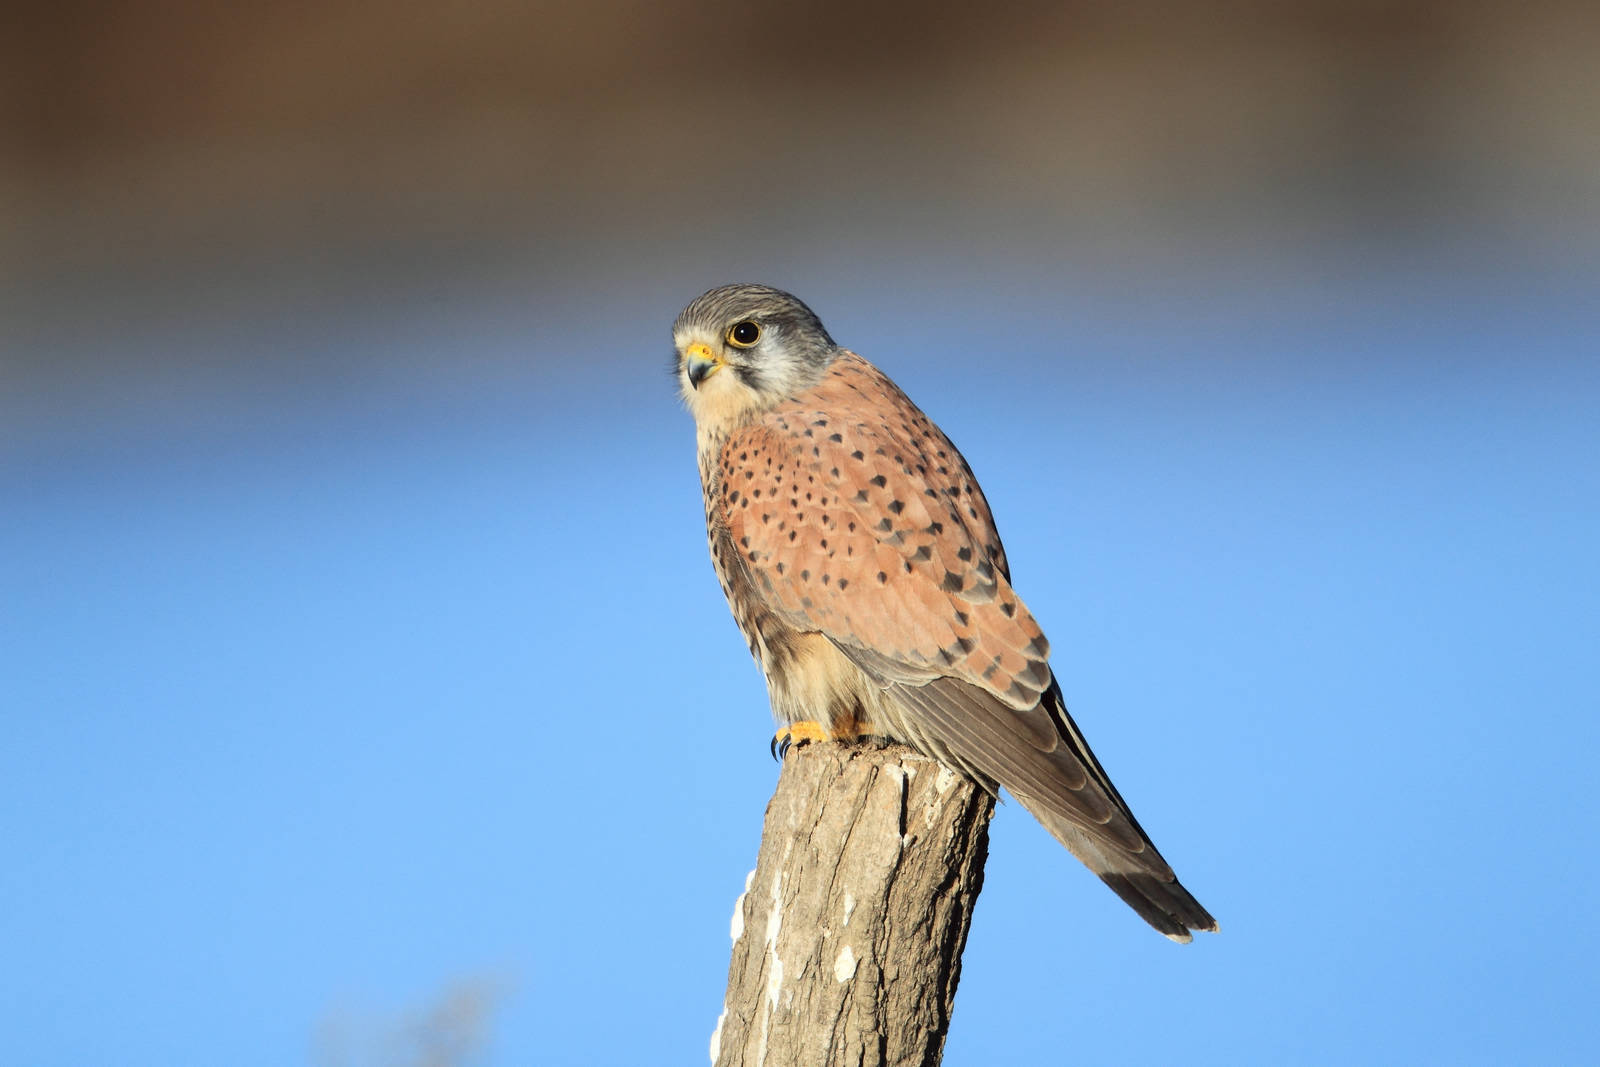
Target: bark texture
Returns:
[[847, 940]]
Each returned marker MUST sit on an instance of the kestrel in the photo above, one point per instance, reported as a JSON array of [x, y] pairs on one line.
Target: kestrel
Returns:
[[862, 564]]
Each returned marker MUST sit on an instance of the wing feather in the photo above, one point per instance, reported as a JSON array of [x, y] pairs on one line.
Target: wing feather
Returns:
[[862, 521]]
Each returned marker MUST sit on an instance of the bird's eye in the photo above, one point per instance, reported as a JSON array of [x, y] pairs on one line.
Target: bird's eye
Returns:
[[744, 334]]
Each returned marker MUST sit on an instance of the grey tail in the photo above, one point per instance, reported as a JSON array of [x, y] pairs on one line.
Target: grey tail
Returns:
[[1144, 880], [1165, 905]]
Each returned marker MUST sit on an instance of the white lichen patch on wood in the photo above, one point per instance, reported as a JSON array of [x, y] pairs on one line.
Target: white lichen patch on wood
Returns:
[[844, 968], [716, 1035], [736, 927], [849, 906], [774, 928], [774, 961]]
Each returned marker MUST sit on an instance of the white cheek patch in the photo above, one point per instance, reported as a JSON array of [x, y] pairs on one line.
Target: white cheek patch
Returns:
[[722, 399]]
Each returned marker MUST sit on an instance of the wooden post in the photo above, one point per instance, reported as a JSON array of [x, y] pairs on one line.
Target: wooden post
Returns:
[[847, 940]]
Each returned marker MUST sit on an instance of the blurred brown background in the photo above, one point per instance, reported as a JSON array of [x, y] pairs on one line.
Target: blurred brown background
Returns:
[[227, 168]]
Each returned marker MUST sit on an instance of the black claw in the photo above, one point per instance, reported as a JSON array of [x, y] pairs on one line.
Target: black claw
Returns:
[[772, 748]]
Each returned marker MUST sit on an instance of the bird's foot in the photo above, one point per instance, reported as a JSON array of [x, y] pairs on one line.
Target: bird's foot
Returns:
[[798, 733], [807, 731]]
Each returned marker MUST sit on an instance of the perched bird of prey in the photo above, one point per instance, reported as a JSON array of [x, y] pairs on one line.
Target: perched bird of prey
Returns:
[[862, 564]]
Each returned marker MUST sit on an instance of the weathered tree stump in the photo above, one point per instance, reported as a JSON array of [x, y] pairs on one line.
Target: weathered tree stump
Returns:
[[847, 940]]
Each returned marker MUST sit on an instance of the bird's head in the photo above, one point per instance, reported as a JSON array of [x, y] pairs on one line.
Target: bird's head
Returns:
[[744, 348]]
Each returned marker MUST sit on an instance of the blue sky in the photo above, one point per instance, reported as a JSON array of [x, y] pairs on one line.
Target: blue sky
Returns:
[[329, 696]]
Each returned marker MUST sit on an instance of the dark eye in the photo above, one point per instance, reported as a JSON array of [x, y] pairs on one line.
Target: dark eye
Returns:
[[744, 334]]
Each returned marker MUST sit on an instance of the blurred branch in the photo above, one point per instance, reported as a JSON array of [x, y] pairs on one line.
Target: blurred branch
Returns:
[[450, 1031], [848, 938]]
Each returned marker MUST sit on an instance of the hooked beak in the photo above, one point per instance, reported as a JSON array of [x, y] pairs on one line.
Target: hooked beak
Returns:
[[699, 363]]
